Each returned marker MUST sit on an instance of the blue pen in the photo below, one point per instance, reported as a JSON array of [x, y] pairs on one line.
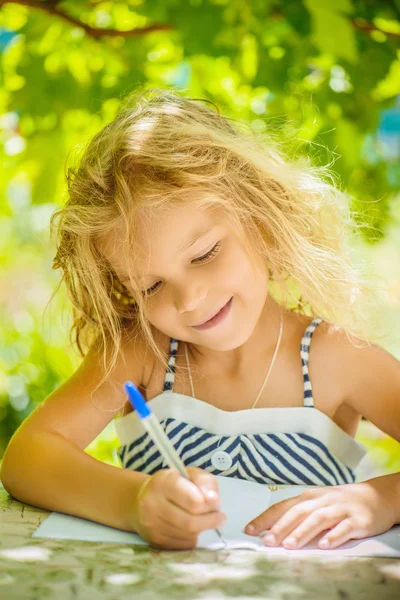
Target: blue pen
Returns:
[[157, 434]]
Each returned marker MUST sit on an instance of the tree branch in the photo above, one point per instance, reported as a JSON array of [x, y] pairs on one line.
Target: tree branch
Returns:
[[52, 8], [365, 26]]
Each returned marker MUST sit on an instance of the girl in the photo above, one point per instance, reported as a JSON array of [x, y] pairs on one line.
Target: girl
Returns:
[[213, 273]]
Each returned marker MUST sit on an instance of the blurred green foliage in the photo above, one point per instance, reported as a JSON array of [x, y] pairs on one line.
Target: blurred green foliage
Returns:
[[323, 73]]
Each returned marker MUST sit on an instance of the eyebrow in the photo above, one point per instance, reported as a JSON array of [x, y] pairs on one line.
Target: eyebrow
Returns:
[[198, 235]]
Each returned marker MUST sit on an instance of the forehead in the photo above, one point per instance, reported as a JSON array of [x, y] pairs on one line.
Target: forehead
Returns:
[[156, 238]]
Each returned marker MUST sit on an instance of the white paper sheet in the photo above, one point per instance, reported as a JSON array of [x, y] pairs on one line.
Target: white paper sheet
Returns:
[[241, 501]]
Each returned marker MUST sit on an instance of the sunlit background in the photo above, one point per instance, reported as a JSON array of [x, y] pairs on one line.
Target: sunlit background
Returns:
[[325, 74]]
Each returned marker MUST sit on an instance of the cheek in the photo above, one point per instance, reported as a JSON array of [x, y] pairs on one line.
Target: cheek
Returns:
[[156, 310], [240, 274], [160, 312]]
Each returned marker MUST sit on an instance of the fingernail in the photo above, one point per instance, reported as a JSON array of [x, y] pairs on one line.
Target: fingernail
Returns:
[[250, 529], [270, 540], [324, 544], [289, 543]]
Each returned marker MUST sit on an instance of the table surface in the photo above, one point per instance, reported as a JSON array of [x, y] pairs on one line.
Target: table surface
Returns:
[[34, 568]]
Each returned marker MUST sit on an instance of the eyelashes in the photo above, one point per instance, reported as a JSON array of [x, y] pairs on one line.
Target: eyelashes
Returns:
[[209, 254], [205, 258]]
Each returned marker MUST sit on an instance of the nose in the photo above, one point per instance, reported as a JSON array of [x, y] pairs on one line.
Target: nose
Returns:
[[188, 298]]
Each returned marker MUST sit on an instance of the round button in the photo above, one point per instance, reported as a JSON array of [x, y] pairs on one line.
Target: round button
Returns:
[[221, 460]]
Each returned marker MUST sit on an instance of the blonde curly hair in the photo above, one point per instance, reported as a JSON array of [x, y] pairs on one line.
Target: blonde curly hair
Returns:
[[163, 149]]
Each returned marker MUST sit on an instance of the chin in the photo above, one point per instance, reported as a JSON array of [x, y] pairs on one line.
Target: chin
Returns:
[[232, 341]]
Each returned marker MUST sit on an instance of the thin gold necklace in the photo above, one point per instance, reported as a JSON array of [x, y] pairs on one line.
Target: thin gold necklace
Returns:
[[278, 343]]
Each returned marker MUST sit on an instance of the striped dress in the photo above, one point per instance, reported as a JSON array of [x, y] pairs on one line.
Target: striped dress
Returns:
[[276, 446]]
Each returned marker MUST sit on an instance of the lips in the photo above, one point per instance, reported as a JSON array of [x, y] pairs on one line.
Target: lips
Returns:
[[216, 318], [210, 317]]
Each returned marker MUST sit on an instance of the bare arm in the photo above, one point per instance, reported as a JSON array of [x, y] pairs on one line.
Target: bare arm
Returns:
[[370, 379], [373, 379], [45, 464]]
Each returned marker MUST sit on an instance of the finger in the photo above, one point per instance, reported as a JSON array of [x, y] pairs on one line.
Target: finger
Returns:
[[272, 515], [320, 520], [191, 499], [177, 521], [207, 484], [340, 534], [180, 491], [288, 522]]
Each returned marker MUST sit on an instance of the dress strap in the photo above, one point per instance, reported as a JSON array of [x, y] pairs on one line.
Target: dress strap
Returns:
[[304, 353], [170, 372]]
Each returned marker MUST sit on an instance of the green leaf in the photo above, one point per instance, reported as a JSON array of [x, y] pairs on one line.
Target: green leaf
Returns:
[[390, 85], [332, 29]]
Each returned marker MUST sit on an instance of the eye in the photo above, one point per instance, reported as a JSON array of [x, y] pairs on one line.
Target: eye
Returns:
[[151, 289], [209, 254], [203, 258]]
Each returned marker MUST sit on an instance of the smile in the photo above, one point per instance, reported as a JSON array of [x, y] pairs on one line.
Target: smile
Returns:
[[216, 319]]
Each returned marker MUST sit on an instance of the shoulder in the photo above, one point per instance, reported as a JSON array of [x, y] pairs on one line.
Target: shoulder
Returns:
[[351, 354], [138, 351], [369, 376], [360, 360]]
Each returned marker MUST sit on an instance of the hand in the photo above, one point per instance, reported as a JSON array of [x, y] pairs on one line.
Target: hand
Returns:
[[350, 511], [171, 511]]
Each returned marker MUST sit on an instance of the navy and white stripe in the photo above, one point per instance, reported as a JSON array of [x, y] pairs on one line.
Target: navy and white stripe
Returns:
[[281, 458], [305, 353], [170, 374]]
